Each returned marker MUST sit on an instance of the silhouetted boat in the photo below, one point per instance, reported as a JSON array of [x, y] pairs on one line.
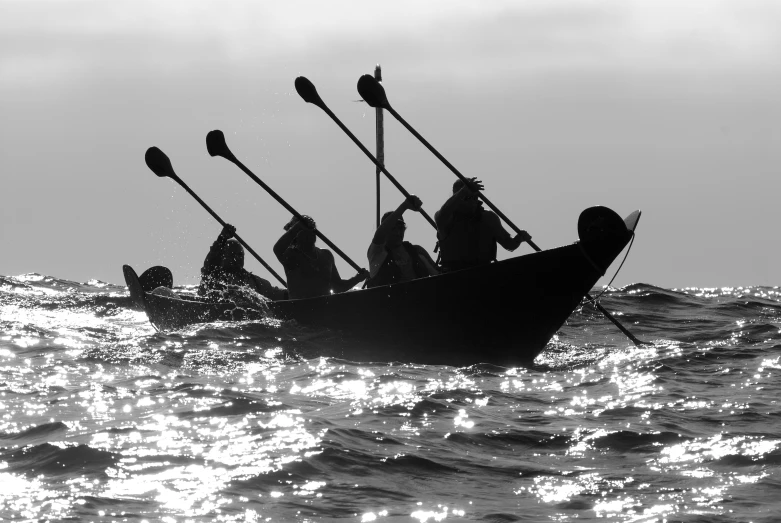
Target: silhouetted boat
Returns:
[[503, 313]]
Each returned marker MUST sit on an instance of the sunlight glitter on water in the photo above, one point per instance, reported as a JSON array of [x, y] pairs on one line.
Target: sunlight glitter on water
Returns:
[[53, 320], [197, 425], [19, 493], [229, 452], [425, 515], [716, 448]]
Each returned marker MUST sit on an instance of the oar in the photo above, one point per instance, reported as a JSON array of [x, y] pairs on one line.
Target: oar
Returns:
[[159, 163], [215, 144], [373, 93], [307, 91]]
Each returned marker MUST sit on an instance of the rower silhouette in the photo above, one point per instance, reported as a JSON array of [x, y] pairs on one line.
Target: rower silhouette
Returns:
[[223, 269], [393, 260], [310, 271], [467, 233]]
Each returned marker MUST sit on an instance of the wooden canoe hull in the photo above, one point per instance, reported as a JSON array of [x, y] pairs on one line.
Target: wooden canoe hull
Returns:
[[503, 313]]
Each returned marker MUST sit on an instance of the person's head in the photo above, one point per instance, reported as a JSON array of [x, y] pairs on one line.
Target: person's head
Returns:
[[306, 237], [396, 234], [469, 205], [233, 257]]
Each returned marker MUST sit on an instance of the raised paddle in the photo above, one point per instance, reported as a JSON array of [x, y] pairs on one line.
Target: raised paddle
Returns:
[[159, 163], [307, 91], [373, 93], [215, 144]]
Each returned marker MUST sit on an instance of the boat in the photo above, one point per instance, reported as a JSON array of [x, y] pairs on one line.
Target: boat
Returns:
[[503, 313]]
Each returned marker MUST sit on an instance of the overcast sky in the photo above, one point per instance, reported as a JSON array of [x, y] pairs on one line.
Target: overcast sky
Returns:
[[672, 107]]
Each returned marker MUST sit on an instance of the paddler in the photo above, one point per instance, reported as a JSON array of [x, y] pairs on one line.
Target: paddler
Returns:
[[467, 233], [310, 271], [224, 267], [393, 260]]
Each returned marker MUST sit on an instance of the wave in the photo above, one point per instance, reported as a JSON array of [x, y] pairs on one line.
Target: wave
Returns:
[[36, 434], [51, 285], [60, 459], [629, 441]]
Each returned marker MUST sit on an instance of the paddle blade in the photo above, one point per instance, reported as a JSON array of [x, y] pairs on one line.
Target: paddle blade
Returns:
[[215, 144], [600, 222], [159, 163], [372, 92], [157, 276], [307, 91]]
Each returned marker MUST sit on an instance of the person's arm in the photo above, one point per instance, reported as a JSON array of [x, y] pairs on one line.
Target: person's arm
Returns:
[[214, 258], [376, 256], [413, 202], [285, 240], [264, 287], [444, 216], [428, 262], [337, 283], [503, 237]]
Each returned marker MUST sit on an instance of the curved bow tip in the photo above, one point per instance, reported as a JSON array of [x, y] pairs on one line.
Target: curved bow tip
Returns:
[[159, 163]]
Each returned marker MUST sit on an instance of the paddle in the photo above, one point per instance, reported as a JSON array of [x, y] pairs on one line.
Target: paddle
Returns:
[[157, 276], [373, 93], [159, 163], [215, 144], [307, 91]]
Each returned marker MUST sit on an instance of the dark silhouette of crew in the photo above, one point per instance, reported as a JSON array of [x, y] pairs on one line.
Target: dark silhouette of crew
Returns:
[[467, 233], [223, 269], [393, 260], [310, 271]]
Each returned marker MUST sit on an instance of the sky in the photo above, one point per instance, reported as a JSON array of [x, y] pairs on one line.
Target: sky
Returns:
[[557, 105]]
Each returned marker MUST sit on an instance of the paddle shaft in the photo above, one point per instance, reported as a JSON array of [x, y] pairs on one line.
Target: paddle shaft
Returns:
[[456, 172], [503, 217], [216, 217], [375, 160], [609, 316], [293, 211]]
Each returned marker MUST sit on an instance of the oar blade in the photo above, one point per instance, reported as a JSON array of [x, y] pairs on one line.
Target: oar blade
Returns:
[[157, 276], [159, 163], [372, 92], [307, 91], [215, 144]]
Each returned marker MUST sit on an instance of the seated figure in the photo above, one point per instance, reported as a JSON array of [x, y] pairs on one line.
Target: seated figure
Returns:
[[393, 260], [467, 233], [310, 271], [223, 268]]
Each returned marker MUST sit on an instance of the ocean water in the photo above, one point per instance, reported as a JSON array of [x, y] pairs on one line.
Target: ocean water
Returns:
[[105, 419]]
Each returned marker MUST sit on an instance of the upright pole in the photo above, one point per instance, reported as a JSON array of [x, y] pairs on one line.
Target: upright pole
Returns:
[[380, 143]]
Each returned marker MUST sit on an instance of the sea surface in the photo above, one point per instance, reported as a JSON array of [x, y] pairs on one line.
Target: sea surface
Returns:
[[105, 419]]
